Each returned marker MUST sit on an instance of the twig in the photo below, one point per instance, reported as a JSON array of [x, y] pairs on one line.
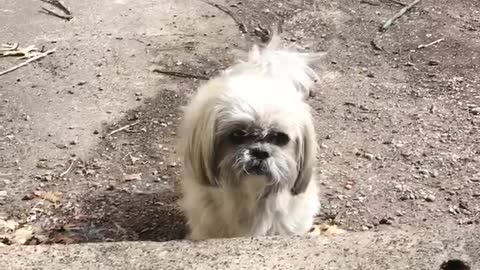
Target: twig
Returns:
[[397, 2], [58, 5], [389, 22], [49, 12], [181, 74], [8, 47], [68, 169], [230, 13], [369, 3], [39, 56], [421, 46], [122, 128]]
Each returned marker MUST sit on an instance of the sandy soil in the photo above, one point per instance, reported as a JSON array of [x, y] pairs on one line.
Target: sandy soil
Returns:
[[398, 126]]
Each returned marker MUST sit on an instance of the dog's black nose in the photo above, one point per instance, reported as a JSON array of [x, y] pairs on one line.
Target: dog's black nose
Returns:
[[259, 154]]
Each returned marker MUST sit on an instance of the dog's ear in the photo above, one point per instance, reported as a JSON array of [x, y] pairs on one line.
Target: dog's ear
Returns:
[[198, 140], [306, 147]]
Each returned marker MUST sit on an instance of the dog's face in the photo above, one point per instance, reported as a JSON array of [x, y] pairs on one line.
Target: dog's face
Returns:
[[247, 148], [250, 126], [253, 122]]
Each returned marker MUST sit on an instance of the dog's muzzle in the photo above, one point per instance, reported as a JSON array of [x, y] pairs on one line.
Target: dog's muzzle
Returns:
[[257, 163]]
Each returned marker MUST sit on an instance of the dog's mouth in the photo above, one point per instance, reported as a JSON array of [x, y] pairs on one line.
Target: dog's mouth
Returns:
[[256, 167]]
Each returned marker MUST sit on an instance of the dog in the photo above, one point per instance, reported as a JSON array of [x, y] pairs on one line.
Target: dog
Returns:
[[248, 146]]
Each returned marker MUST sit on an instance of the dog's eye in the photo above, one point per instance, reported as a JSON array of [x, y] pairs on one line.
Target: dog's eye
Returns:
[[278, 138], [238, 136]]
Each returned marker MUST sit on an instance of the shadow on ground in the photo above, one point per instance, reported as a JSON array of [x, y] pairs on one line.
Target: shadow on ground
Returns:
[[128, 191]]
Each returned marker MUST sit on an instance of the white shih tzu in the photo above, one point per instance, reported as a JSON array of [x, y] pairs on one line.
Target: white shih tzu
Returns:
[[249, 149]]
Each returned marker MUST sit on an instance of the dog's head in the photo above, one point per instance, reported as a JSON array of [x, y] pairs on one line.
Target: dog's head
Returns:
[[253, 121]]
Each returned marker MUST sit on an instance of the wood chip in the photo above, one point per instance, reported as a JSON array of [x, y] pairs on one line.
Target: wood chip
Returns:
[[132, 177]]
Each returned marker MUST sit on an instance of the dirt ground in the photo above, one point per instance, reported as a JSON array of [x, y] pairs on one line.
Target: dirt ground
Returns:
[[398, 125]]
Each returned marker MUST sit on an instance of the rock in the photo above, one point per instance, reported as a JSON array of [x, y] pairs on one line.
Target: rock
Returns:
[[386, 221], [368, 156], [430, 198], [61, 146], [22, 235], [424, 171]]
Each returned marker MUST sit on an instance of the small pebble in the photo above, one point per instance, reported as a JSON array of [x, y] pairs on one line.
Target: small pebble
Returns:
[[430, 198], [424, 171], [368, 156], [386, 221], [475, 111]]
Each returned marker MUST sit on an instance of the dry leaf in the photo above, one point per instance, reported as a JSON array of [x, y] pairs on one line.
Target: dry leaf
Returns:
[[59, 238], [53, 197], [133, 176], [22, 235], [325, 230]]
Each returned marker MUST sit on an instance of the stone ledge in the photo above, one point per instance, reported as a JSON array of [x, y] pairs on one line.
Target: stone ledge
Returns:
[[392, 249]]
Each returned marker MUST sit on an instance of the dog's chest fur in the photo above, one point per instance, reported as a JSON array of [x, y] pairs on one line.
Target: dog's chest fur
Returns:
[[240, 211]]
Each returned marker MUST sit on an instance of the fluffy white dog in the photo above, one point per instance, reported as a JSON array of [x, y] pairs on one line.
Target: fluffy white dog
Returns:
[[249, 149]]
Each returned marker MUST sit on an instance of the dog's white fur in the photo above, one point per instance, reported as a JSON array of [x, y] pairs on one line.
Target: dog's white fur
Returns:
[[220, 200]]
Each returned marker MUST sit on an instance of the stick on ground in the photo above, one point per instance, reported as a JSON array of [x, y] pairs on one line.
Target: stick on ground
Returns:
[[399, 14], [230, 13], [35, 58], [398, 3], [122, 128], [369, 3], [59, 5], [68, 169], [421, 46], [181, 74], [49, 12]]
